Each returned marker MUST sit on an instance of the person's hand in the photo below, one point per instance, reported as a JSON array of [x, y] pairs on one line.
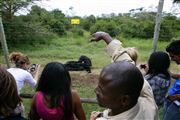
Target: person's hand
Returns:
[[174, 97], [95, 115], [144, 67], [101, 36], [34, 69], [97, 36]]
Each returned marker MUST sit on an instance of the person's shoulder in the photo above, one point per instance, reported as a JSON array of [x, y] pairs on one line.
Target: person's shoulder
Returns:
[[74, 94], [17, 70], [158, 77], [75, 97], [25, 72], [38, 94], [9, 69], [12, 69]]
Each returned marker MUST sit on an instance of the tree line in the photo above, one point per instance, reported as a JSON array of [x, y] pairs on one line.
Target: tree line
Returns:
[[40, 25]]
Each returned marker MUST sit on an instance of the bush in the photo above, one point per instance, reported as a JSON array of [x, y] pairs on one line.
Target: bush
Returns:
[[77, 31], [21, 33], [106, 26]]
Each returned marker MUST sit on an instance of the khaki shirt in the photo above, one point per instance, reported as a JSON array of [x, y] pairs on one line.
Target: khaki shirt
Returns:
[[117, 52], [146, 108]]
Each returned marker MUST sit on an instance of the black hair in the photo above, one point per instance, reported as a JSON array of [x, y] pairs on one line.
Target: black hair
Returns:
[[55, 81], [126, 78], [174, 47], [159, 63]]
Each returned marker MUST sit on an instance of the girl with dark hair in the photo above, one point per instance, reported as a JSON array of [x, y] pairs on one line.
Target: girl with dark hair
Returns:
[[54, 99], [158, 76], [20, 72], [10, 102]]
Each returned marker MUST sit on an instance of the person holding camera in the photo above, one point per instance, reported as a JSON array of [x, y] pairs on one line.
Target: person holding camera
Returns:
[[20, 71], [157, 75]]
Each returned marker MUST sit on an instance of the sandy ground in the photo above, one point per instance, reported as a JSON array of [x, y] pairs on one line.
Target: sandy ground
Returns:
[[83, 77]]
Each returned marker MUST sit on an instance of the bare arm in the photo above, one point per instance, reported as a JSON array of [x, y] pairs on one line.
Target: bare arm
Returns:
[[77, 107], [175, 75], [174, 97]]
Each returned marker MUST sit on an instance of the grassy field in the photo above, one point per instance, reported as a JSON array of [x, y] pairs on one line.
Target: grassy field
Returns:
[[71, 47]]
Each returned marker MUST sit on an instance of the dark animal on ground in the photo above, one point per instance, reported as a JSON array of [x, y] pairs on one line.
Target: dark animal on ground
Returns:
[[84, 63]]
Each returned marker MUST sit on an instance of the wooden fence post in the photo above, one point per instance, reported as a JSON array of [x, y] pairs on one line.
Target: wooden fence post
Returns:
[[157, 26], [3, 43]]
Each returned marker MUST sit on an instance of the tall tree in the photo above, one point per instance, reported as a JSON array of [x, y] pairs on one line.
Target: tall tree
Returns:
[[10, 7]]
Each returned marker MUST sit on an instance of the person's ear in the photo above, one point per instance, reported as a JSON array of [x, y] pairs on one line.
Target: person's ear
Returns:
[[125, 100]]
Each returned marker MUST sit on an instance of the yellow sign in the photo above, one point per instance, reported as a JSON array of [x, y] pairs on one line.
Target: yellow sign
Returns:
[[75, 21]]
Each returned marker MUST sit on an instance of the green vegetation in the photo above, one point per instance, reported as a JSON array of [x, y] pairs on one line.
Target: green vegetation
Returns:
[[40, 25], [70, 47], [48, 36]]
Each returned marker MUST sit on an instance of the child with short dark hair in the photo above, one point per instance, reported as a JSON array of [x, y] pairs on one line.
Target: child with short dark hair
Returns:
[[158, 75]]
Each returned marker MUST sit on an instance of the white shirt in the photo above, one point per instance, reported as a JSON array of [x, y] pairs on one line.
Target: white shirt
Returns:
[[21, 76]]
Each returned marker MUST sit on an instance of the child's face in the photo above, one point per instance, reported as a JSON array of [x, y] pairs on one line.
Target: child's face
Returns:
[[175, 58]]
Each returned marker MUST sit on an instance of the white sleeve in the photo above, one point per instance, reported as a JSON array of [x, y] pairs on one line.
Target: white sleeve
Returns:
[[30, 80]]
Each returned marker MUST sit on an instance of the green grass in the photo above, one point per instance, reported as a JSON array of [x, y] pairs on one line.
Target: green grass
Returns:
[[71, 48]]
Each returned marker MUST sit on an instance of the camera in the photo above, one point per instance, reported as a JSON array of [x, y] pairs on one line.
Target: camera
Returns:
[[33, 67]]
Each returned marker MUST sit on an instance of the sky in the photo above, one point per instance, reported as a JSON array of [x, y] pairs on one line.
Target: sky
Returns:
[[98, 7]]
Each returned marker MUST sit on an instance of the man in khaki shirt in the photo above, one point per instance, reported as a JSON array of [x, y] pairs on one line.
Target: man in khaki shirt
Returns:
[[145, 108]]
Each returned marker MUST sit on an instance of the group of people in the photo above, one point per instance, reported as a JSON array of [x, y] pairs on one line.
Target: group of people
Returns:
[[157, 80], [122, 88], [54, 99]]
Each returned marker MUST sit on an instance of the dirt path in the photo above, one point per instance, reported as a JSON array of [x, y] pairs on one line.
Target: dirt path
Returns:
[[82, 77]]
